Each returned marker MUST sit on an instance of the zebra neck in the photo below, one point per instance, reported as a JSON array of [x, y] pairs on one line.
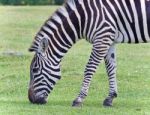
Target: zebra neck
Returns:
[[63, 30], [76, 19], [61, 37]]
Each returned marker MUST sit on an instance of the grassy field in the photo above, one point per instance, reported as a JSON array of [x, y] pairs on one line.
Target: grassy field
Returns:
[[18, 25]]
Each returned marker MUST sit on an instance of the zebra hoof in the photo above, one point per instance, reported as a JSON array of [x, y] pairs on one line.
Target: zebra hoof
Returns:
[[108, 102], [76, 104]]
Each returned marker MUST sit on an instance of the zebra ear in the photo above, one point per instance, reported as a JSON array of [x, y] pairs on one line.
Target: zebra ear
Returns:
[[43, 45], [39, 47]]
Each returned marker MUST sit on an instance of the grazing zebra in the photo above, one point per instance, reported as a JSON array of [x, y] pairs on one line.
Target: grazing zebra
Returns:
[[103, 23]]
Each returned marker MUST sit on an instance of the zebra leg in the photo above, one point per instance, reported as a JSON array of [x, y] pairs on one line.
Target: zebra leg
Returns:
[[98, 53], [110, 62]]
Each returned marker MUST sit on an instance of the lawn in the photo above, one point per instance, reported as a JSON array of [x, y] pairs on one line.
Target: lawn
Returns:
[[18, 25]]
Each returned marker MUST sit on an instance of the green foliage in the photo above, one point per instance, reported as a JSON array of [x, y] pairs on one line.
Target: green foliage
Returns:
[[59, 2], [31, 2], [18, 26]]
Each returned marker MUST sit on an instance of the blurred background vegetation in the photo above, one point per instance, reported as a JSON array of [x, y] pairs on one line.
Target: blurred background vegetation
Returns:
[[31, 2]]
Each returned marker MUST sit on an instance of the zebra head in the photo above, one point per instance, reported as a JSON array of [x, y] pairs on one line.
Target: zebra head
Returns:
[[43, 73]]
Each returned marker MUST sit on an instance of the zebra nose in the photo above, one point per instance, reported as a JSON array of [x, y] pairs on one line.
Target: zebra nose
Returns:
[[31, 95], [36, 99], [40, 100]]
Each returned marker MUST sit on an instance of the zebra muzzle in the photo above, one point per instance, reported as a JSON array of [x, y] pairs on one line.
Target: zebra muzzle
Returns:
[[35, 99]]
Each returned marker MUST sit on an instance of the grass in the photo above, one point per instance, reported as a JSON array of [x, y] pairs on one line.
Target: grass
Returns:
[[18, 25]]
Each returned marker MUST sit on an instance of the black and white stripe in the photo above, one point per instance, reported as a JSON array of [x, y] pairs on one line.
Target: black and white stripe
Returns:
[[103, 23], [131, 18]]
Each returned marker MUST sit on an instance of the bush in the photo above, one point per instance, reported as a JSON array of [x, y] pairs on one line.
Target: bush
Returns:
[[31, 2]]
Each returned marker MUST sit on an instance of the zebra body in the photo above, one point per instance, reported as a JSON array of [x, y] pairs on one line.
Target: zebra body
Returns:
[[103, 23], [131, 18]]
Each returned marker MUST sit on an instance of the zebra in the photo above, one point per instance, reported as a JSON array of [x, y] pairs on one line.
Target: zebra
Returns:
[[103, 23]]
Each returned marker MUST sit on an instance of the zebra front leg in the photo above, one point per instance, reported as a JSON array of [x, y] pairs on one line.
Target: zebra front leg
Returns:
[[111, 66], [98, 53]]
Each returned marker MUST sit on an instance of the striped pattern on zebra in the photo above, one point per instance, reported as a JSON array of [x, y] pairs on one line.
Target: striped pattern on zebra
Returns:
[[103, 23]]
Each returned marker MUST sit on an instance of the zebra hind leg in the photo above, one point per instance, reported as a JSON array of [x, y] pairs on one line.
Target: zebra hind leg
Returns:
[[110, 63]]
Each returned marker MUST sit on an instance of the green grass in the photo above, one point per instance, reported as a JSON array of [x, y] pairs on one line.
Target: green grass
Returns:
[[18, 25]]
